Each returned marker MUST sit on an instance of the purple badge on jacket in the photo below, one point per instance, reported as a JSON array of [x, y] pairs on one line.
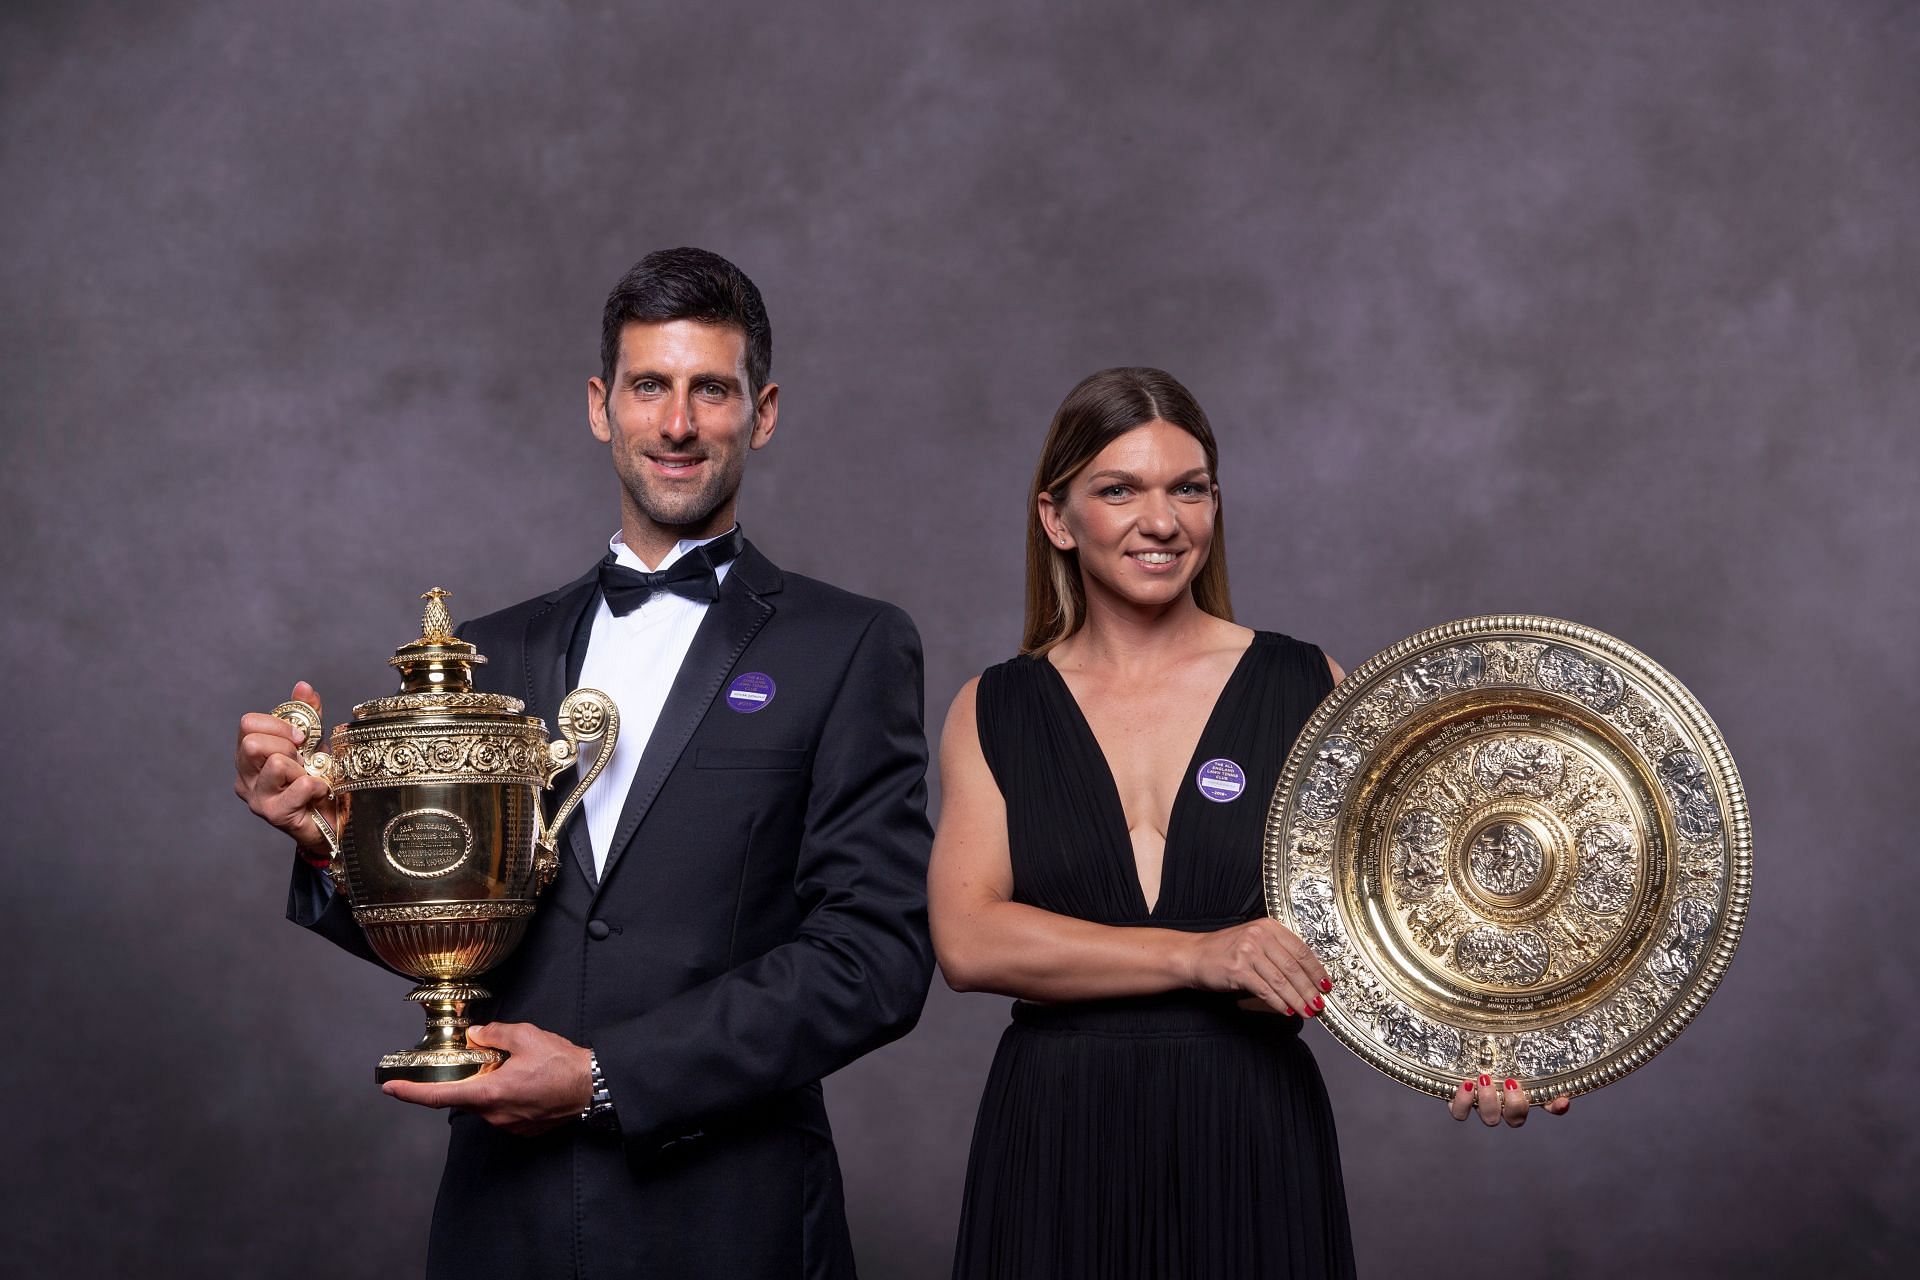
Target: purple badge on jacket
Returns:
[[750, 693]]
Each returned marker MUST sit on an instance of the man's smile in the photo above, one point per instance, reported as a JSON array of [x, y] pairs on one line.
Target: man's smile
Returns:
[[676, 465]]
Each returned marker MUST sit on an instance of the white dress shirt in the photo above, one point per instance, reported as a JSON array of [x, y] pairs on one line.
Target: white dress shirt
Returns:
[[634, 660]]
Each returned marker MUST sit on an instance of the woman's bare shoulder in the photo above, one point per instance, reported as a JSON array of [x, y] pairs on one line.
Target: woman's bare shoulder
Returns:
[[1229, 637]]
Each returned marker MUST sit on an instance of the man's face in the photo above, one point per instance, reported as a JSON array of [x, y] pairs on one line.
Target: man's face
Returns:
[[680, 421]]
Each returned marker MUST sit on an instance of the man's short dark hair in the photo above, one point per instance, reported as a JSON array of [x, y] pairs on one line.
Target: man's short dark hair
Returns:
[[688, 284]]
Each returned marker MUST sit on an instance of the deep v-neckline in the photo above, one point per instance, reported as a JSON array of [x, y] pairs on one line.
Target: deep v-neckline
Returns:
[[1117, 808]]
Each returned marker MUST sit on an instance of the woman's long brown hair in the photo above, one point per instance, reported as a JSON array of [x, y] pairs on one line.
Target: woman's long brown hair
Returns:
[[1096, 413]]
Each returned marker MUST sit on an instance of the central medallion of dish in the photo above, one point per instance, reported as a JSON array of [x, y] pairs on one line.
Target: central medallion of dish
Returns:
[[1509, 859]]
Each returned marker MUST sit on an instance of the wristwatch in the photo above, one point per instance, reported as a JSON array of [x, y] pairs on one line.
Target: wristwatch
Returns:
[[598, 1113]]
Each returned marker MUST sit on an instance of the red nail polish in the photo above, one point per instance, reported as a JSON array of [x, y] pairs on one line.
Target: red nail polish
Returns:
[[1326, 984], [1466, 1086], [1512, 1085], [1309, 1011], [1289, 1010], [1485, 1081], [1318, 1004]]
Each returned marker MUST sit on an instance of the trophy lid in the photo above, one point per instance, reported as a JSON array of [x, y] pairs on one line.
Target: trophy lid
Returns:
[[438, 660], [436, 672]]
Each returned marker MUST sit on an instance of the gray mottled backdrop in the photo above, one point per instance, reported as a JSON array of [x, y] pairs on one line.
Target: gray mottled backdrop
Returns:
[[1609, 310]]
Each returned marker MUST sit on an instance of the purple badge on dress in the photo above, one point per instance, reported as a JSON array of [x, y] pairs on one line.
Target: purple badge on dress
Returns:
[[750, 693], [1221, 780]]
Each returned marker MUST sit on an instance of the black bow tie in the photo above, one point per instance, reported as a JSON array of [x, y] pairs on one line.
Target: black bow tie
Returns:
[[692, 575]]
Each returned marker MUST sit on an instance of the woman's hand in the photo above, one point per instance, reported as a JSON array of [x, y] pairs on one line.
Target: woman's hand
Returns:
[[1263, 959], [1495, 1103]]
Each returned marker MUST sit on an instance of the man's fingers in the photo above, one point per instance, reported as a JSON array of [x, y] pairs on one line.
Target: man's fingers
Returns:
[[261, 738], [472, 1093], [289, 806], [255, 751], [1460, 1106], [273, 735], [292, 811], [304, 692], [498, 1035], [278, 769], [421, 1095], [272, 726]]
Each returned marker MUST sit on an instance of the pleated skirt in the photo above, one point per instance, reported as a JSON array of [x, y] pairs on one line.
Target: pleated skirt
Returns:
[[1164, 1137]]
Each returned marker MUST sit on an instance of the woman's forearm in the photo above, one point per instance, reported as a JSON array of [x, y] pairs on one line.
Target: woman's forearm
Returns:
[[1013, 949]]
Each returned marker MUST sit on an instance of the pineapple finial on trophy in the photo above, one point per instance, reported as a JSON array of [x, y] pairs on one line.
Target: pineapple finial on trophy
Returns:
[[436, 627], [438, 660]]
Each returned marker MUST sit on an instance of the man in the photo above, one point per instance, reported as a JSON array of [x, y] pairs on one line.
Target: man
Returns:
[[741, 907]]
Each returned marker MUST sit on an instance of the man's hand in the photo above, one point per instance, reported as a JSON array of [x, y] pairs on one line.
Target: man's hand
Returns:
[[545, 1082], [268, 775], [1495, 1103]]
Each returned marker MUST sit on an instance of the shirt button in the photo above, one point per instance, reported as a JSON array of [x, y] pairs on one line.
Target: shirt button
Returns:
[[598, 930]]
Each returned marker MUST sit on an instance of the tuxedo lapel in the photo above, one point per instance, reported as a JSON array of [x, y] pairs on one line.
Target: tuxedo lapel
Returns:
[[729, 626], [550, 634]]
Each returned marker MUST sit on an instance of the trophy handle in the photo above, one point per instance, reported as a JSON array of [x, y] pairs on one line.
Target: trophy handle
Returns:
[[318, 764], [585, 714]]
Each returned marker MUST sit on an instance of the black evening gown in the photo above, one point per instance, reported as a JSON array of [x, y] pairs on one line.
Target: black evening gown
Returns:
[[1159, 1136]]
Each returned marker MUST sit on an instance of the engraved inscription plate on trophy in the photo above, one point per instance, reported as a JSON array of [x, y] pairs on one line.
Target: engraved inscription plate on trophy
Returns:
[[426, 842], [1521, 848]]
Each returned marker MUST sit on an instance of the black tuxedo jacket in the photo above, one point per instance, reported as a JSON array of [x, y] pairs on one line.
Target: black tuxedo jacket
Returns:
[[760, 923]]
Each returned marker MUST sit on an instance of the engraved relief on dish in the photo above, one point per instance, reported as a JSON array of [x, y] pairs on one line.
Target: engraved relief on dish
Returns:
[[1510, 765], [1596, 683], [1507, 957], [1420, 842], [1607, 866], [1326, 785], [1434, 1044], [1484, 901], [1506, 859], [1690, 792], [1678, 950], [1520, 846], [1443, 671], [1313, 911]]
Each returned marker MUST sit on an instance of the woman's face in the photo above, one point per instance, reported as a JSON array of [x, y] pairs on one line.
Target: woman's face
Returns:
[[1140, 514]]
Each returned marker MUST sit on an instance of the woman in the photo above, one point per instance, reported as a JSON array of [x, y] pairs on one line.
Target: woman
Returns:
[[1151, 1110]]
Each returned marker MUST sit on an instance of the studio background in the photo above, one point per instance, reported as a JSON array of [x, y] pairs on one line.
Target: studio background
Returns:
[[1609, 311]]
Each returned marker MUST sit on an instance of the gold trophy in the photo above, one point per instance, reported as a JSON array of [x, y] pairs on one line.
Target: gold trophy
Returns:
[[441, 850]]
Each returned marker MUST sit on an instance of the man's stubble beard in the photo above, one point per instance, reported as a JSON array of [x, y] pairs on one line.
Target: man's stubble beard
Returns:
[[679, 510], [685, 509]]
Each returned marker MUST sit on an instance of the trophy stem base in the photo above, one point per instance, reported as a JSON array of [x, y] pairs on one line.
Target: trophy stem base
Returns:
[[443, 1054]]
